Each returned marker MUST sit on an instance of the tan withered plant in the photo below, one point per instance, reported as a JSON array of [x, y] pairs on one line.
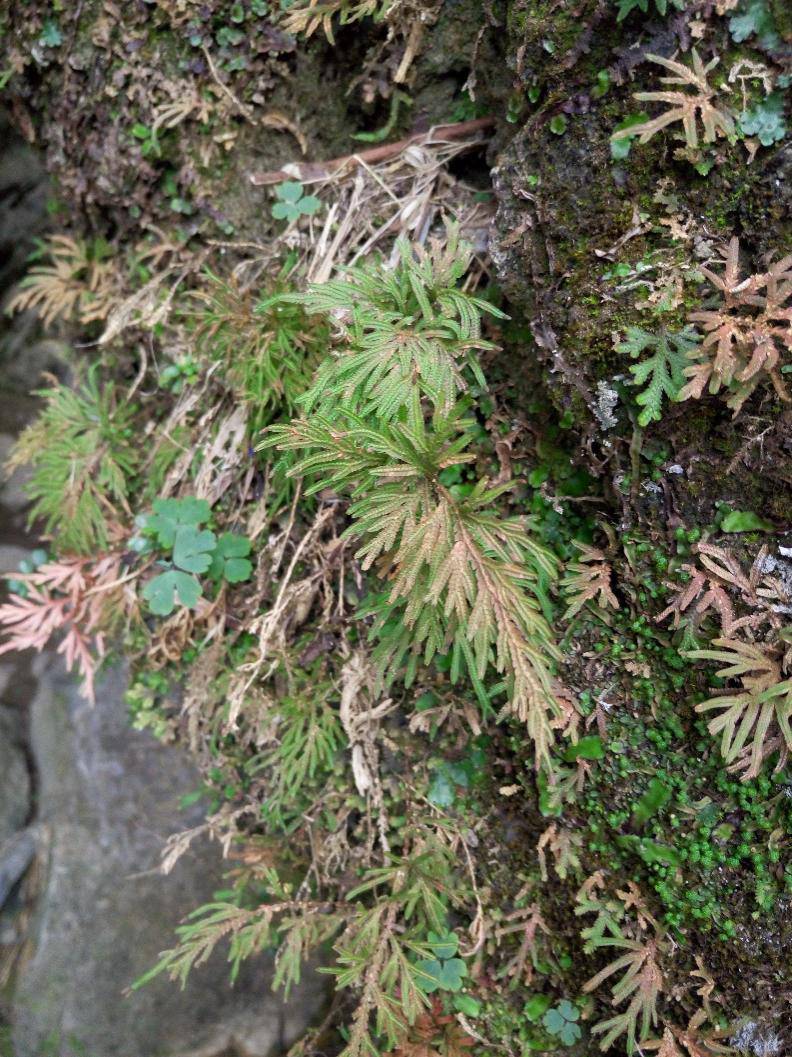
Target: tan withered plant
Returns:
[[691, 103], [747, 335], [76, 285]]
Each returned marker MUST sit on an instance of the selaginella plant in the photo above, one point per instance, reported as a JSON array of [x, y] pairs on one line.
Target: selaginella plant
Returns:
[[307, 16], [78, 283], [82, 456], [623, 923], [386, 415], [588, 579], [753, 720], [754, 650], [664, 358], [75, 598], [747, 336], [267, 345], [691, 102]]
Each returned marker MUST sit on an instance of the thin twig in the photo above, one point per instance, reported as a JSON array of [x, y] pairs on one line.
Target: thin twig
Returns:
[[311, 172]]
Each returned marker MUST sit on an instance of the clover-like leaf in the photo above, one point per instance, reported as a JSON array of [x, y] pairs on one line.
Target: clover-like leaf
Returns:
[[162, 592], [230, 559], [553, 1021], [289, 191], [291, 204], [429, 975], [171, 514], [193, 548], [434, 975], [285, 211], [309, 205], [570, 1033], [453, 973], [560, 1021], [567, 1010], [443, 944]]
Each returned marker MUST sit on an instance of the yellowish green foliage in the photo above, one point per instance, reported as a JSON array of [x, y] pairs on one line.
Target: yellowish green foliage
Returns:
[[82, 455], [382, 427]]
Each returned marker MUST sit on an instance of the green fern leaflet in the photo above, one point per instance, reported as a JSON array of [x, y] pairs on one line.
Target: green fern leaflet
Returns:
[[662, 373]]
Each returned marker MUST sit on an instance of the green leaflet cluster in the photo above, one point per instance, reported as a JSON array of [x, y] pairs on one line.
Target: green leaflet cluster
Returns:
[[175, 528], [386, 415]]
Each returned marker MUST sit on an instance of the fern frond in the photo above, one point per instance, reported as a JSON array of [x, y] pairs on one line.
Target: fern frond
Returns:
[[309, 736], [663, 373], [247, 931], [747, 335], [82, 455], [384, 421], [268, 345], [761, 709], [641, 984], [688, 106], [374, 952], [77, 284], [76, 599], [405, 329], [588, 578], [461, 577]]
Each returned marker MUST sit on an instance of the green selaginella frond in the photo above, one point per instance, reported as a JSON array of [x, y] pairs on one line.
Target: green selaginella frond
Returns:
[[269, 346], [403, 329], [461, 577], [299, 925], [376, 952], [82, 456], [662, 373], [309, 737]]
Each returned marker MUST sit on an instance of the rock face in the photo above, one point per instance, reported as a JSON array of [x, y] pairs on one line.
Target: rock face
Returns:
[[23, 193], [108, 798], [14, 780]]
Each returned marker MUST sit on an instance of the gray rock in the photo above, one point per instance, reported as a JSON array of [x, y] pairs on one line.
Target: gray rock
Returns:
[[23, 194], [109, 798], [14, 776], [16, 854]]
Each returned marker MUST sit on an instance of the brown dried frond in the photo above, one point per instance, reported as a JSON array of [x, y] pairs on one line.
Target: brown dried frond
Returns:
[[676, 1042], [186, 102], [747, 335], [74, 597], [529, 923], [684, 106], [563, 844], [632, 899], [755, 719], [587, 578], [641, 983], [722, 581], [306, 18], [74, 286]]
